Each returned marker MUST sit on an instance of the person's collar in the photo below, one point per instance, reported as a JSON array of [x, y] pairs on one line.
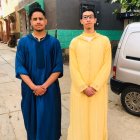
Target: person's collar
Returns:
[[37, 38], [85, 35], [89, 34]]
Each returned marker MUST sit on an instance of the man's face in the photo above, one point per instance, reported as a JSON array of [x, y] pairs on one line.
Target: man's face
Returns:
[[38, 21], [88, 20]]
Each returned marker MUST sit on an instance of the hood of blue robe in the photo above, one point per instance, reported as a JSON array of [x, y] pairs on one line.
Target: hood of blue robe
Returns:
[[40, 62]]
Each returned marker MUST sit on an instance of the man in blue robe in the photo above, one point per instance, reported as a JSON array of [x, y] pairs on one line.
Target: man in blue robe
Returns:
[[39, 65]]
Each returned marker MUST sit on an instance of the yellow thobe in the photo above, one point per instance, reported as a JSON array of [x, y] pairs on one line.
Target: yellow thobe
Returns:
[[90, 64]]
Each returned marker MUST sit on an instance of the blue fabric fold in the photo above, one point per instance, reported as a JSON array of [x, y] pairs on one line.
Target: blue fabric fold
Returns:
[[40, 62]]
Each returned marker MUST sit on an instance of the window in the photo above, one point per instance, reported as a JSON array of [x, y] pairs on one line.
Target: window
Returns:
[[132, 47]]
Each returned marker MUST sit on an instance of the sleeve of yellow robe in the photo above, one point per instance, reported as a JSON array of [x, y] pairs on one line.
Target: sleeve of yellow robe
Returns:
[[74, 70], [102, 76]]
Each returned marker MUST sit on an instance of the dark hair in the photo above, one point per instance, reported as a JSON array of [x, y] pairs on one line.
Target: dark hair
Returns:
[[36, 10], [84, 9]]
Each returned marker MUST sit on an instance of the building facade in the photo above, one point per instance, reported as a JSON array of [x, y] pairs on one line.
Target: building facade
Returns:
[[67, 17], [9, 21], [63, 18]]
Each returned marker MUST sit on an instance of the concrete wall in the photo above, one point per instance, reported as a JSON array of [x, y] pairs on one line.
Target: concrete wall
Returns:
[[107, 19], [65, 14], [68, 15], [50, 8]]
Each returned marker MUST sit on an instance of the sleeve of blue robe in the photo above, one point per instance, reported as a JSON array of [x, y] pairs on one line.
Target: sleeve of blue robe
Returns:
[[58, 62], [20, 59]]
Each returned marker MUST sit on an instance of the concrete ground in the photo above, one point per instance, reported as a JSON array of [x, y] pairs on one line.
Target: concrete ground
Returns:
[[121, 125]]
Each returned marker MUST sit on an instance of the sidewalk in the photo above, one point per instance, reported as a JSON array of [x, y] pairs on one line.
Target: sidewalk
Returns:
[[121, 125]]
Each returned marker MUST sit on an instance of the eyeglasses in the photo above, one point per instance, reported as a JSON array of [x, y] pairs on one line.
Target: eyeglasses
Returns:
[[85, 17]]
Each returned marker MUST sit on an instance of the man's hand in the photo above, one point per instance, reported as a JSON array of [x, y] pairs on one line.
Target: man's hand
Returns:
[[89, 91], [39, 90]]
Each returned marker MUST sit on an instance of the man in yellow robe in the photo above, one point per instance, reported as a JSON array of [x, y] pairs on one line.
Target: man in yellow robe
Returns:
[[90, 64]]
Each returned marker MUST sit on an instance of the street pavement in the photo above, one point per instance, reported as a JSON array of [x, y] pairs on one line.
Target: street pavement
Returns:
[[121, 125]]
